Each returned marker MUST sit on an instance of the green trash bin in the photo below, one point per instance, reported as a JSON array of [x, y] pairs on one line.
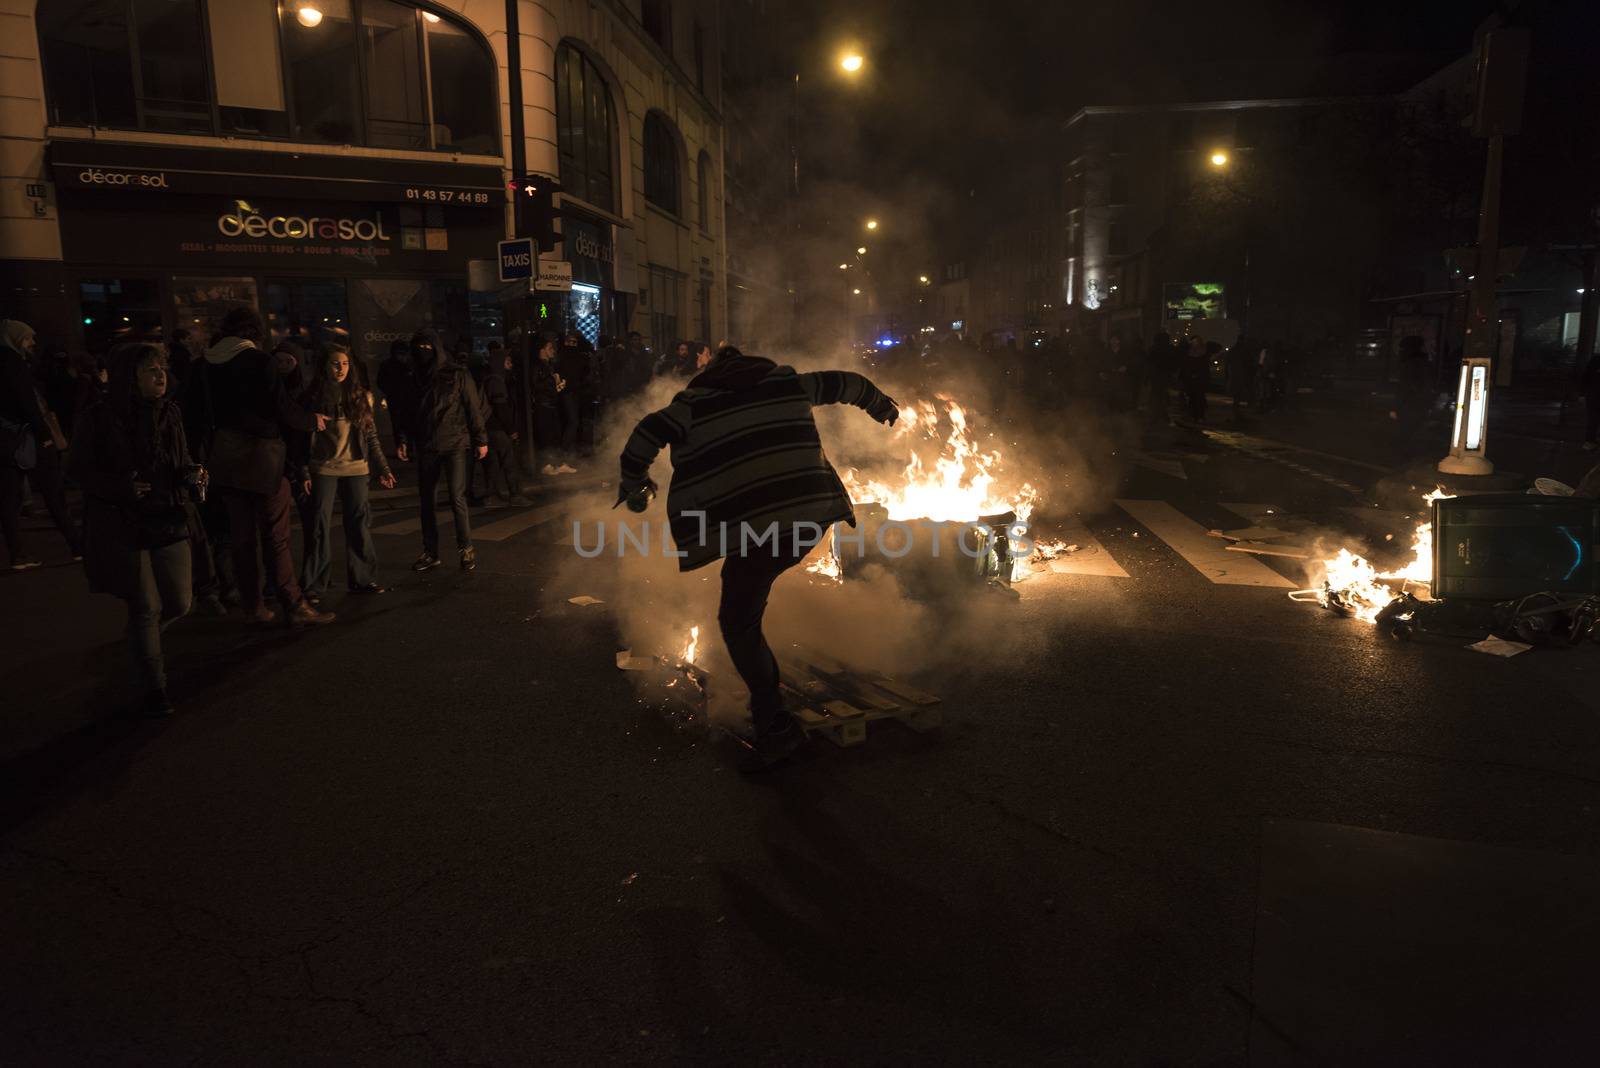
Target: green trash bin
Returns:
[[1497, 546]]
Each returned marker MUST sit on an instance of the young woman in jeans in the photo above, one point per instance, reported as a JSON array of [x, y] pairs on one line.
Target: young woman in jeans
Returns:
[[131, 458], [340, 459]]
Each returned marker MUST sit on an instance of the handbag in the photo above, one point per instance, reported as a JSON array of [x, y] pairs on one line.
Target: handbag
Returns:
[[245, 462]]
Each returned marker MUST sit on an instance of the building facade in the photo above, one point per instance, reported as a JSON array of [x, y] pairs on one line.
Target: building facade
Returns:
[[346, 166]]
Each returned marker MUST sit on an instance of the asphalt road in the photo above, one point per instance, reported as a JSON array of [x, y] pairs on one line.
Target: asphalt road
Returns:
[[1168, 820]]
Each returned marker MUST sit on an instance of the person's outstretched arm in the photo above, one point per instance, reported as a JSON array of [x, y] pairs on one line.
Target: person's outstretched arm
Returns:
[[668, 426], [847, 387]]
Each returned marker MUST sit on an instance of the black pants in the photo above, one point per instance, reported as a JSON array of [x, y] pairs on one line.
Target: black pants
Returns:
[[1197, 400], [569, 423], [46, 478], [746, 582], [502, 461], [453, 465], [213, 576], [547, 433]]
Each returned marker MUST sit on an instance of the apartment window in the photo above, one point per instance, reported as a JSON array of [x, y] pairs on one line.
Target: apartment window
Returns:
[[697, 36], [704, 179], [585, 127], [664, 293], [336, 71], [1117, 239], [657, 18], [661, 179], [1118, 193]]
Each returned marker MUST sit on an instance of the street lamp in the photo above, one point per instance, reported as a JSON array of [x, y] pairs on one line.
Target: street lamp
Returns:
[[852, 62], [872, 224], [922, 278], [855, 292], [1219, 159], [862, 251], [844, 266]]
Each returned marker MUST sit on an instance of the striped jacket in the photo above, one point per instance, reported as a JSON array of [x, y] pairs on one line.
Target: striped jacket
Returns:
[[745, 450]]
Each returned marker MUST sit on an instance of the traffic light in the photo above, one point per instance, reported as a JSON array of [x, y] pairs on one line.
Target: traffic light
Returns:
[[536, 211]]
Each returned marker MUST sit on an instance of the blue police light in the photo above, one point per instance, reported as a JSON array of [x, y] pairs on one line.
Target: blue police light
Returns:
[[885, 341]]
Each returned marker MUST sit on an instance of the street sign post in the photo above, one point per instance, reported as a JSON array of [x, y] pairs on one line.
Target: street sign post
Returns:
[[555, 276], [516, 259]]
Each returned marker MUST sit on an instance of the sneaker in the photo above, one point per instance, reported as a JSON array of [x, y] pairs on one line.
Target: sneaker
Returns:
[[313, 599], [303, 615], [156, 705], [565, 470], [469, 559], [210, 606], [371, 587], [25, 563], [262, 616], [773, 749], [549, 469], [425, 562]]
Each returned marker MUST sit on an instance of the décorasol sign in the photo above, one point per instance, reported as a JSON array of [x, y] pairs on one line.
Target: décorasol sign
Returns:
[[123, 179], [301, 228]]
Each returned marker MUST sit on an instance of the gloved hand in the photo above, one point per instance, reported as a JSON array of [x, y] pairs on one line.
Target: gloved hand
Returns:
[[638, 498], [887, 412]]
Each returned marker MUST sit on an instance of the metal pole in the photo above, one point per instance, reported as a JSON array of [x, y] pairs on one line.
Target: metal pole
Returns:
[[1482, 316], [519, 167]]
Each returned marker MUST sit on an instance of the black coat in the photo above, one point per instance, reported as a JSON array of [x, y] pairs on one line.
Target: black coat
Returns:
[[445, 412], [111, 450]]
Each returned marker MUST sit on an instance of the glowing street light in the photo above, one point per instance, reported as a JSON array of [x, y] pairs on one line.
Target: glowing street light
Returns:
[[862, 251], [844, 266], [872, 224], [922, 278], [855, 292], [310, 16], [1219, 159], [852, 62]]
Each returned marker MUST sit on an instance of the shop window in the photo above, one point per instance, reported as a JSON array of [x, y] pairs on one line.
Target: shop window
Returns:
[[704, 181], [322, 73], [585, 121], [308, 313], [201, 303], [116, 310], [661, 163], [464, 89], [335, 71], [391, 56], [126, 63]]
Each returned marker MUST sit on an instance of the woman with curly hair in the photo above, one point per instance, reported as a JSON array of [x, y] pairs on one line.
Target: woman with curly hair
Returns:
[[339, 460]]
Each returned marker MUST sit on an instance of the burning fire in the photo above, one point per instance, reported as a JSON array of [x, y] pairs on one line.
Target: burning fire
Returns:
[[1352, 583], [1051, 550], [827, 565], [692, 647], [958, 486]]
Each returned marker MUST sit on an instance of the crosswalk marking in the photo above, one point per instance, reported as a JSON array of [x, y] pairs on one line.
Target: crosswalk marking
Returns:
[[1091, 557], [1204, 553], [501, 529]]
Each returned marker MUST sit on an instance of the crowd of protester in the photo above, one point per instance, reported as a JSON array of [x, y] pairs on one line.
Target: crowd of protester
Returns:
[[195, 457]]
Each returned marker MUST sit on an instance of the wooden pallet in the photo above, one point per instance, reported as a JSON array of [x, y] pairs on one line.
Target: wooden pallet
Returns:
[[837, 701]]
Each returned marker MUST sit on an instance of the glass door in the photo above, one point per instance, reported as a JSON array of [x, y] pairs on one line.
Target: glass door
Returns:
[[308, 312]]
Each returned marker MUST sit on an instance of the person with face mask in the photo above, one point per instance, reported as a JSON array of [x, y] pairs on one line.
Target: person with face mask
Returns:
[[131, 457], [444, 423], [339, 462]]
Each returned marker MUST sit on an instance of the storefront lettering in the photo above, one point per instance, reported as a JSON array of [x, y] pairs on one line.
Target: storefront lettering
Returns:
[[584, 244], [298, 228], [144, 179]]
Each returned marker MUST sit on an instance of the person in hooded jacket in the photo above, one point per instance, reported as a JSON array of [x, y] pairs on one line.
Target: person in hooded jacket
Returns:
[[503, 432], [747, 460], [30, 443], [252, 411], [444, 421], [132, 459]]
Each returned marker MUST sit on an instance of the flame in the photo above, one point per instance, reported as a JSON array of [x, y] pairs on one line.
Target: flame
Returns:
[[1354, 584], [693, 646], [1050, 550], [827, 565], [960, 484]]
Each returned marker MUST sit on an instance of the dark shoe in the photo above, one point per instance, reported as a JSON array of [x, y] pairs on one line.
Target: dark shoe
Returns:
[[262, 616], [425, 562], [156, 705], [469, 559], [313, 599], [773, 749], [304, 615], [371, 587], [24, 563]]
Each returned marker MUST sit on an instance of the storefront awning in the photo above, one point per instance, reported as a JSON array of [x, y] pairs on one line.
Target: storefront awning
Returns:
[[93, 166]]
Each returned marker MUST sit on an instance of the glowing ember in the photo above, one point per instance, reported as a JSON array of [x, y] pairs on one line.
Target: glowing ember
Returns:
[[1051, 550], [692, 647], [827, 565], [959, 485], [1351, 583]]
